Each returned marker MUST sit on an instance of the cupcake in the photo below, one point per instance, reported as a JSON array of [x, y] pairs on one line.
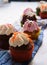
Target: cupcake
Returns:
[[32, 29], [38, 7], [6, 32], [43, 12], [28, 14], [21, 47]]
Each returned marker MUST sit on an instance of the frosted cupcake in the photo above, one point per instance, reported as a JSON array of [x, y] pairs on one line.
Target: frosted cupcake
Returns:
[[43, 11], [6, 32], [28, 14], [38, 7], [21, 47], [31, 28]]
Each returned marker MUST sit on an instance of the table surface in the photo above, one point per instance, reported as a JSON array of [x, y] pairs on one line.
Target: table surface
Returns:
[[11, 13]]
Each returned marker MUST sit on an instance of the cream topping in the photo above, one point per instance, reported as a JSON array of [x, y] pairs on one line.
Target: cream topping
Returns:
[[6, 29], [18, 40], [40, 3], [43, 6], [29, 12]]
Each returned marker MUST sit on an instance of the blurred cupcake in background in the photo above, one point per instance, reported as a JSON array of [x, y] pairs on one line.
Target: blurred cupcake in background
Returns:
[[43, 11], [28, 14], [38, 7], [6, 32], [32, 29], [21, 47]]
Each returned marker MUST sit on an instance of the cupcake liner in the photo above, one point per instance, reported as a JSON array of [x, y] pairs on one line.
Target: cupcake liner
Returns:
[[23, 53], [21, 56], [43, 15], [4, 41]]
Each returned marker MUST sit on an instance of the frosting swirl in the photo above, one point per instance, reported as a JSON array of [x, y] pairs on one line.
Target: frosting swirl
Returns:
[[18, 39], [42, 2], [6, 29], [30, 26], [43, 7], [29, 12]]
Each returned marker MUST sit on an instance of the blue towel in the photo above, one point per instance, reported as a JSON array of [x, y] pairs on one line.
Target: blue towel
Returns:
[[6, 59]]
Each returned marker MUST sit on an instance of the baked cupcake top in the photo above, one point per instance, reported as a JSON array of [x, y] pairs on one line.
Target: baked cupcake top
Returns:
[[30, 26], [7, 29], [29, 12], [19, 39]]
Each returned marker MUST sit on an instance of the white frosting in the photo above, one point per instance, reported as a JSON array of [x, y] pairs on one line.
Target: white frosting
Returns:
[[6, 29], [40, 3], [29, 13], [18, 40]]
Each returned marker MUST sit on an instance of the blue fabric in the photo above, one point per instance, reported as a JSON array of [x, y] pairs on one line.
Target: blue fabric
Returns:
[[6, 59]]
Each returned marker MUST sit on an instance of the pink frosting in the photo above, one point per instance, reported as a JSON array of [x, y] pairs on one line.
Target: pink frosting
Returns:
[[30, 26], [28, 10]]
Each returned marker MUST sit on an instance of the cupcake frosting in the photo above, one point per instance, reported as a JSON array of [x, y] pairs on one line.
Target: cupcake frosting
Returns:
[[29, 12], [6, 29], [18, 39], [30, 26], [42, 2], [43, 7]]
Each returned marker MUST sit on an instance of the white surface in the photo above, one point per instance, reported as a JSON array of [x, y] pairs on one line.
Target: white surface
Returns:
[[11, 13]]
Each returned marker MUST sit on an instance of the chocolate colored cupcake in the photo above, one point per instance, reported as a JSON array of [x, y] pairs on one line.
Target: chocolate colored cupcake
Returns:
[[6, 32], [32, 29], [28, 14], [21, 47]]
